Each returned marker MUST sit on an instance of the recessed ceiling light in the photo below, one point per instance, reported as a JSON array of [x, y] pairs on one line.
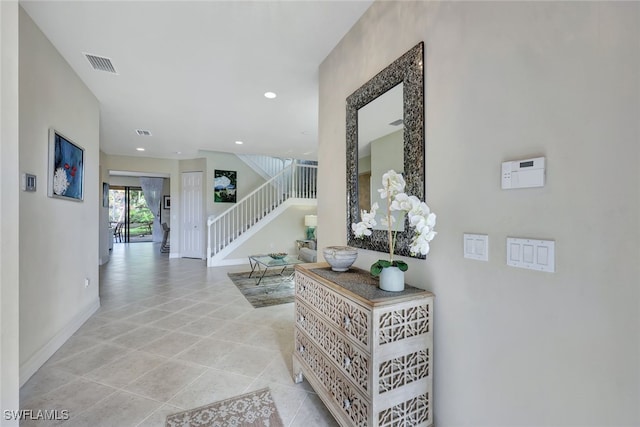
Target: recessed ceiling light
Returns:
[[140, 149], [177, 152], [270, 95], [143, 132], [239, 142]]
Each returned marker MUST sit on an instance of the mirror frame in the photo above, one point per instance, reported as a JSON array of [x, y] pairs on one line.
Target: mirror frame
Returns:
[[408, 69]]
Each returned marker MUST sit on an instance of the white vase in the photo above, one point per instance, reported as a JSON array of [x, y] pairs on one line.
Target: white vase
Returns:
[[392, 279]]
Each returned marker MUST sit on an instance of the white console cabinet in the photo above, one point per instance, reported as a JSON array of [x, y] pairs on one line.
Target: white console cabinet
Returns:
[[367, 353]]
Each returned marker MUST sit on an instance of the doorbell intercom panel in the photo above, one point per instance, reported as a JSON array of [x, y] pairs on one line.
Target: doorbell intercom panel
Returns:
[[526, 173]]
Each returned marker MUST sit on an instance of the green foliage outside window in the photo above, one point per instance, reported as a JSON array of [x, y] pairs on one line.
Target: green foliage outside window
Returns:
[[139, 214]]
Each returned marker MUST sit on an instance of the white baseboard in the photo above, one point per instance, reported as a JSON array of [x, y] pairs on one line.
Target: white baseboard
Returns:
[[235, 261], [34, 363], [174, 255]]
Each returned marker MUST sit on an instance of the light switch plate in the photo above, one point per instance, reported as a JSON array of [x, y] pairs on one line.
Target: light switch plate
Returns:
[[476, 246], [532, 254], [28, 182]]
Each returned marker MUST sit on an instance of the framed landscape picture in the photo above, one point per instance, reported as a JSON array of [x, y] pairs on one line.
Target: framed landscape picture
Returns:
[[224, 186], [66, 168]]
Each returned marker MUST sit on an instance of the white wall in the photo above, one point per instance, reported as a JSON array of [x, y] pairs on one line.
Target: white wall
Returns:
[[248, 179], [279, 235], [386, 153], [9, 218], [59, 238], [509, 80]]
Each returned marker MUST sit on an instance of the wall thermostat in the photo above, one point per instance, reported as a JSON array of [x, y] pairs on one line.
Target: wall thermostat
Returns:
[[523, 173]]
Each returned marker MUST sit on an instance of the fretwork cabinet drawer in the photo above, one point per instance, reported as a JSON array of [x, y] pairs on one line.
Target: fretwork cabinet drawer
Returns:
[[366, 352]]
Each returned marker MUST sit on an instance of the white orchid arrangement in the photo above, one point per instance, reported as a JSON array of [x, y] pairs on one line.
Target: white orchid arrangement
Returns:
[[420, 217]]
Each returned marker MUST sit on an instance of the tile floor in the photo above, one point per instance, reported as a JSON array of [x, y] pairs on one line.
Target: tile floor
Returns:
[[170, 335]]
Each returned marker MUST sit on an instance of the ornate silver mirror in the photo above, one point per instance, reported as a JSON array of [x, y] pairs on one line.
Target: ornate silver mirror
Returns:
[[385, 130]]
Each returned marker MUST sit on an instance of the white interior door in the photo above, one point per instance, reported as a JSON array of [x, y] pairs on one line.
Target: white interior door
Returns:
[[192, 241]]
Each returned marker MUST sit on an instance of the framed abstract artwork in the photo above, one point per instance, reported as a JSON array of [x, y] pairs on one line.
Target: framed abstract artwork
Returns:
[[66, 168]]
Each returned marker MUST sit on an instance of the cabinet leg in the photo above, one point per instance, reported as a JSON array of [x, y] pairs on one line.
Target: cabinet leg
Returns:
[[297, 372]]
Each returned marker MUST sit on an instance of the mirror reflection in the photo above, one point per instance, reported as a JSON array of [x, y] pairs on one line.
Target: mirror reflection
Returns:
[[385, 130], [380, 148]]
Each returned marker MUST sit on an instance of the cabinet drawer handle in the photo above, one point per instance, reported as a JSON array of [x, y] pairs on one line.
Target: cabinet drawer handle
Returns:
[[346, 404], [301, 349], [301, 319], [347, 321]]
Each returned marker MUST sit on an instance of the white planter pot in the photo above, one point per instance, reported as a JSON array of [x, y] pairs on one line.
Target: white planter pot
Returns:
[[392, 279]]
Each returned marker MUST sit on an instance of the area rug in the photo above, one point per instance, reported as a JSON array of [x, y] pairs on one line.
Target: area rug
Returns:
[[255, 409], [273, 289]]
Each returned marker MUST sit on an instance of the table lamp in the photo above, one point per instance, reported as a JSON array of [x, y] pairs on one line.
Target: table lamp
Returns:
[[311, 222]]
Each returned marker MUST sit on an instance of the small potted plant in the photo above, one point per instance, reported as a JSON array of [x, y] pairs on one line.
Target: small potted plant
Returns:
[[420, 218]]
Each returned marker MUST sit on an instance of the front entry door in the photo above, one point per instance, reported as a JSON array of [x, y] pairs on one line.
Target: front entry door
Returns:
[[192, 230]]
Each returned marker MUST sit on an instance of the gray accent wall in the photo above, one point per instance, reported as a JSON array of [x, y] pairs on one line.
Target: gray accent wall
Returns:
[[506, 81]]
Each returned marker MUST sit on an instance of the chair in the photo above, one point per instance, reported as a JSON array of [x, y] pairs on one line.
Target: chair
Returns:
[[117, 232], [164, 247]]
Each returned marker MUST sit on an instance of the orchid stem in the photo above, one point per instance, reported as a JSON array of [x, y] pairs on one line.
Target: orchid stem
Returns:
[[390, 235]]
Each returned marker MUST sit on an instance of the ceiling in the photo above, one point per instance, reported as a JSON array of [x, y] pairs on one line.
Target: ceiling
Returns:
[[194, 74]]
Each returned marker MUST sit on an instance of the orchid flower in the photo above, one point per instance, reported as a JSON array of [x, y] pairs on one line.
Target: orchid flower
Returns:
[[418, 213]]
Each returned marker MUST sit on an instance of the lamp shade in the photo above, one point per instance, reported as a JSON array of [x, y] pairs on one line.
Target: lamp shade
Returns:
[[311, 220]]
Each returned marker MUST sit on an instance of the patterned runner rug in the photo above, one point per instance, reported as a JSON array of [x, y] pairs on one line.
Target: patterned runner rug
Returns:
[[255, 409], [273, 288]]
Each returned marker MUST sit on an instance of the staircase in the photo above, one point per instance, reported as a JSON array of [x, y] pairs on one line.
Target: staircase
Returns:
[[298, 180], [265, 166]]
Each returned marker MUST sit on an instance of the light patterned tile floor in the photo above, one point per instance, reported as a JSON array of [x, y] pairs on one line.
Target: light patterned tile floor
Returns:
[[170, 335]]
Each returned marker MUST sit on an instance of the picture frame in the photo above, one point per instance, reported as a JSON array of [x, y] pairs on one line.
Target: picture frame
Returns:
[[166, 202], [105, 194], [66, 168], [225, 184]]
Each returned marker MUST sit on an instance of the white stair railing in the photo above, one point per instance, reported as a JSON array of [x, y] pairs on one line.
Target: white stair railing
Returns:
[[266, 166], [297, 180]]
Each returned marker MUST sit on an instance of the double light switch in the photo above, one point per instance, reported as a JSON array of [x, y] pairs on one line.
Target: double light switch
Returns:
[[476, 246]]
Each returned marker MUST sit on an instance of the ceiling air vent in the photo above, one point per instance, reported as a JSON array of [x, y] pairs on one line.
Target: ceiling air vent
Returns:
[[396, 122], [100, 63], [142, 132]]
